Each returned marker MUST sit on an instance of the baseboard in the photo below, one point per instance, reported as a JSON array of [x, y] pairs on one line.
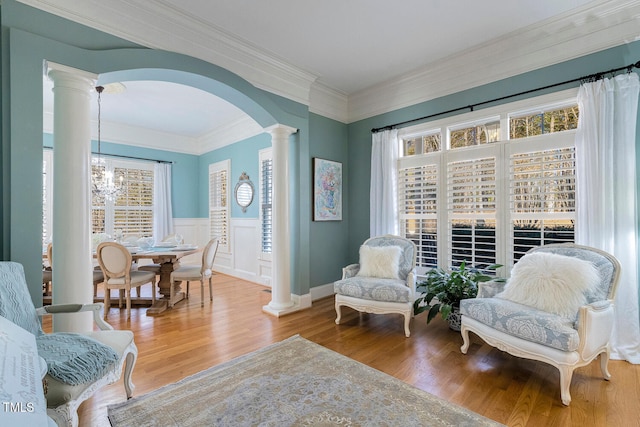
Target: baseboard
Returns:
[[322, 291]]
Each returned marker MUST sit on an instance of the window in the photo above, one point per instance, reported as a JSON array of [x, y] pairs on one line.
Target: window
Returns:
[[486, 186], [132, 210], [218, 202], [266, 199]]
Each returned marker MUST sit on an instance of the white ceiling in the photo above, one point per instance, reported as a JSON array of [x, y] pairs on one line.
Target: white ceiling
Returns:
[[347, 46]]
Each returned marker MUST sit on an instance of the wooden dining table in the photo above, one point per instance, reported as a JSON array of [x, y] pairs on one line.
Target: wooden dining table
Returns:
[[169, 260]]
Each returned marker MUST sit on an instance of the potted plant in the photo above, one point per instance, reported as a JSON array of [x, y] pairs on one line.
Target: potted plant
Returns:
[[448, 288]]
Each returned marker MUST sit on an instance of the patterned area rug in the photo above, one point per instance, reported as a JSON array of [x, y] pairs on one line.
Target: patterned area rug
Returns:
[[291, 383]]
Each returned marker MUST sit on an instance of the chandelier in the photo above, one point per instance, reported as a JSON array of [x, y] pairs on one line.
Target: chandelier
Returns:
[[103, 183]]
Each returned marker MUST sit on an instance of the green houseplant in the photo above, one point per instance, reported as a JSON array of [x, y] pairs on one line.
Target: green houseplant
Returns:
[[447, 288]]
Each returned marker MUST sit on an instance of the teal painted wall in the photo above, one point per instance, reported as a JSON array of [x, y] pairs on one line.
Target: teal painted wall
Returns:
[[329, 239], [359, 133]]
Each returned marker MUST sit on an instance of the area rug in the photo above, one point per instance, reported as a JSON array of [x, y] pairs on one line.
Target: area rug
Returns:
[[291, 383]]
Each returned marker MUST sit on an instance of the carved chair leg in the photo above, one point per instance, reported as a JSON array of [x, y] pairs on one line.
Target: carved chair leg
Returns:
[[407, 319], [465, 339], [566, 372], [338, 313], [604, 364], [128, 369]]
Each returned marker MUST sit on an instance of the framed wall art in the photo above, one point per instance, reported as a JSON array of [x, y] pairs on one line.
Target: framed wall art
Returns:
[[327, 190]]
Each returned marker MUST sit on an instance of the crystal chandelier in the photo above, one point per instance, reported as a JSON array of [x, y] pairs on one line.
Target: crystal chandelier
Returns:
[[103, 183]]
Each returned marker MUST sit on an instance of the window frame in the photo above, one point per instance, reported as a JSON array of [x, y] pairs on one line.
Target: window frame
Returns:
[[502, 148]]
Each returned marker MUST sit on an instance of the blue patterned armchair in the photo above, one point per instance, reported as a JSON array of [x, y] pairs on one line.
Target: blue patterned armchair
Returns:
[[382, 282], [566, 341], [78, 364]]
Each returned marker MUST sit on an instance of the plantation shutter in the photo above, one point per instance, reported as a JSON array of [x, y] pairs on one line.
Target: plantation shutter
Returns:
[[218, 202], [418, 202], [542, 189], [266, 203], [471, 205], [133, 209]]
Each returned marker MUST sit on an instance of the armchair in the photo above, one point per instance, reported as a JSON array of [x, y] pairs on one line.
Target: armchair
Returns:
[[382, 282], [564, 338], [78, 363]]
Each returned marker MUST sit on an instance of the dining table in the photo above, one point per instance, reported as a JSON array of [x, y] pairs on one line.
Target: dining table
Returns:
[[169, 259]]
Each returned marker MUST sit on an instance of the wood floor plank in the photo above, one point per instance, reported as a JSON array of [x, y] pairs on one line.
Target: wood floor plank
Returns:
[[516, 392]]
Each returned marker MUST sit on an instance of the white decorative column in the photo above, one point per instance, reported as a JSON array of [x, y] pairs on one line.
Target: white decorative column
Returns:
[[72, 257], [281, 302]]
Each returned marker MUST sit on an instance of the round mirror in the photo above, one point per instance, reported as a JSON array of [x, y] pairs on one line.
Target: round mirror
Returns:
[[244, 191]]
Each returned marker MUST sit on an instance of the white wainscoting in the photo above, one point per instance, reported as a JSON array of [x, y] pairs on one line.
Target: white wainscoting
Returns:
[[241, 259]]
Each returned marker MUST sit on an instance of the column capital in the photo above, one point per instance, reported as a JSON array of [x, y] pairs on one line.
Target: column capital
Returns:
[[53, 69], [279, 130]]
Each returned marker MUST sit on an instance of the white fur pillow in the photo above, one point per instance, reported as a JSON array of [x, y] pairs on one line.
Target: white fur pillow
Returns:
[[380, 261], [551, 282]]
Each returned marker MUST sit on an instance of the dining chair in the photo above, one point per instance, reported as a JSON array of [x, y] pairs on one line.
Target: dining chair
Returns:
[[201, 272], [47, 274], [115, 261]]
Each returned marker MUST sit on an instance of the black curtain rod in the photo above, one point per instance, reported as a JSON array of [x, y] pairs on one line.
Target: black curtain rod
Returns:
[[133, 157], [590, 77]]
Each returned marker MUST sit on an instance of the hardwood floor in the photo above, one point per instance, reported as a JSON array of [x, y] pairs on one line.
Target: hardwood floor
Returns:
[[516, 392]]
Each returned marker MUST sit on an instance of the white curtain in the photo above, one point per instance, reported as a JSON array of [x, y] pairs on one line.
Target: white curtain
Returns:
[[383, 192], [162, 213], [607, 195]]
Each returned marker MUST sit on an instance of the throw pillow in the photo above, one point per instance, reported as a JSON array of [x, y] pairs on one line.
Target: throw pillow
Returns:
[[380, 261], [551, 282]]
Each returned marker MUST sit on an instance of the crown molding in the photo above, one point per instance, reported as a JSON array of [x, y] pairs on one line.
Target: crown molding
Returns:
[[241, 128], [173, 30], [118, 133], [329, 102], [595, 27]]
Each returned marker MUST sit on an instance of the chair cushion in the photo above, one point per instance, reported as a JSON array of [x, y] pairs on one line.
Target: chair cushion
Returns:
[[523, 321], [375, 289], [408, 258], [136, 277], [380, 261], [75, 359], [551, 282]]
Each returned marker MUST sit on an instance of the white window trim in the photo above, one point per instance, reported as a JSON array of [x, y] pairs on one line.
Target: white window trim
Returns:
[[504, 149]]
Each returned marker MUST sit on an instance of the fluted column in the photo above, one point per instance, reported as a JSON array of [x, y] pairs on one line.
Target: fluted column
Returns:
[[72, 257], [281, 301]]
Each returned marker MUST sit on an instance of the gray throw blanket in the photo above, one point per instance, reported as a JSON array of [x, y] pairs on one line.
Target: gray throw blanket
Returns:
[[75, 359]]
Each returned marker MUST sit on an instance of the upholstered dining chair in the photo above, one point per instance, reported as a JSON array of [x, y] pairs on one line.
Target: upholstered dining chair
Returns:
[[202, 272], [78, 364], [382, 282], [557, 307], [47, 273], [115, 261]]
